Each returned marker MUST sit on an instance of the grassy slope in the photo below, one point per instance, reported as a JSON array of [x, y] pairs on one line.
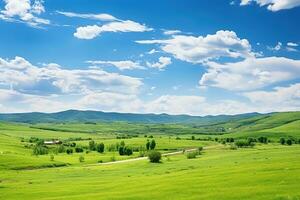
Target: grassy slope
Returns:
[[266, 172]]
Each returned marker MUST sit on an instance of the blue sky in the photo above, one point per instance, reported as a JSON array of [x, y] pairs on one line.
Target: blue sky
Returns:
[[161, 56]]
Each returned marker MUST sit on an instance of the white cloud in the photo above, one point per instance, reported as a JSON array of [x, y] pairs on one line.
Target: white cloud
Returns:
[[22, 76], [291, 49], [202, 49], [292, 44], [122, 65], [24, 11], [162, 63], [273, 5], [152, 51], [276, 48], [175, 104], [172, 32], [90, 32], [101, 17], [250, 74], [280, 99]]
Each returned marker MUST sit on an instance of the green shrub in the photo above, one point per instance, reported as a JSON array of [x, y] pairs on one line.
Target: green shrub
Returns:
[[60, 149], [289, 142], [154, 156], [51, 157], [39, 150], [100, 147], [263, 140], [152, 145], [191, 155], [148, 145], [243, 144], [92, 145], [69, 151], [81, 158], [282, 141], [78, 149]]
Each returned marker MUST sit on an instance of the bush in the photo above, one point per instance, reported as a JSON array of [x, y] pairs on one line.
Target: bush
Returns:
[[243, 144], [282, 141], [154, 156], [152, 145], [148, 145], [39, 150], [125, 150], [263, 140], [193, 137], [78, 149], [191, 155], [51, 157], [69, 151], [229, 140], [81, 158], [100, 147], [251, 140], [60, 149], [92, 145], [289, 142]]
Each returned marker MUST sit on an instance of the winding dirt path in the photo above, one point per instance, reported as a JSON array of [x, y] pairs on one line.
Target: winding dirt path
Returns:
[[145, 158]]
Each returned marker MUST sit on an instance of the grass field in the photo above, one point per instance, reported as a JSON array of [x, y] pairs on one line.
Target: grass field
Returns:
[[266, 171]]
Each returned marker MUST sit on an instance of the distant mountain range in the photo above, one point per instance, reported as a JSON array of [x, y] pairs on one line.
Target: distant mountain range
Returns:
[[96, 116]]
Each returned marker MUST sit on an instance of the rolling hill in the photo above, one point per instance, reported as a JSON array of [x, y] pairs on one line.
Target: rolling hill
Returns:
[[95, 116]]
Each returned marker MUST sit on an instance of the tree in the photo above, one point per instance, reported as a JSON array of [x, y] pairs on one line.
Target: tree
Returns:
[[69, 151], [92, 145], [154, 156], [282, 141], [125, 151], [148, 145], [39, 150], [289, 142], [128, 151], [251, 140], [152, 144], [263, 140], [100, 147], [78, 149]]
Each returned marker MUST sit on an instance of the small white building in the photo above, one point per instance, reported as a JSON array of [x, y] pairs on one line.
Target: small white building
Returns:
[[51, 142]]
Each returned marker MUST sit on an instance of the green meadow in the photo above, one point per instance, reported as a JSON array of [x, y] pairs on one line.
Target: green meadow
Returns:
[[222, 170]]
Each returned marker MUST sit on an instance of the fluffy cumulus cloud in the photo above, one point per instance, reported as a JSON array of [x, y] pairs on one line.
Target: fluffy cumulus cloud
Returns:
[[279, 99], [90, 32], [250, 74], [204, 48], [273, 5], [50, 87], [162, 63], [20, 75], [26, 11], [121, 65]]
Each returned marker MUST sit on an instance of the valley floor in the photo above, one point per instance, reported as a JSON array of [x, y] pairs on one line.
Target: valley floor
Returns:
[[265, 172]]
